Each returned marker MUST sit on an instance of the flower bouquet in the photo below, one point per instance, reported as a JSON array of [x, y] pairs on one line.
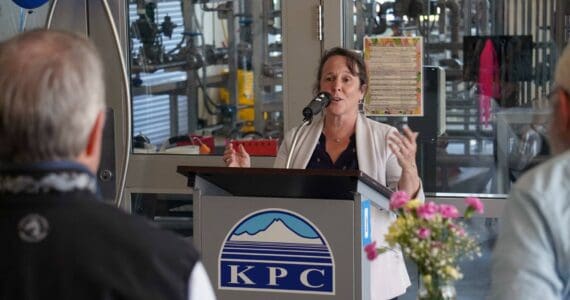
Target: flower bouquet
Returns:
[[431, 237]]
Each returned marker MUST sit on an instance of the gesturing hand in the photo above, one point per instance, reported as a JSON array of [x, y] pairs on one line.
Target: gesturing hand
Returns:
[[405, 147], [239, 158]]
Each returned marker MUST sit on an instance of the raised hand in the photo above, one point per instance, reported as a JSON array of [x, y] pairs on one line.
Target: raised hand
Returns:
[[239, 158], [405, 147]]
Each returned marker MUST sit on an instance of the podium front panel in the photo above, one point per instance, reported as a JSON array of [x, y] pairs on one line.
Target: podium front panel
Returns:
[[312, 258]]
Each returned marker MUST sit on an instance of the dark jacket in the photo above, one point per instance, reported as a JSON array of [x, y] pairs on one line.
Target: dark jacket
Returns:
[[59, 241]]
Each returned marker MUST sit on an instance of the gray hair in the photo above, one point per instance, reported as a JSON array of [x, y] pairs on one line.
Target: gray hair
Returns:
[[51, 91]]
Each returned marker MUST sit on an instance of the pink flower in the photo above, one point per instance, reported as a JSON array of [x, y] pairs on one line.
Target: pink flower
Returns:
[[428, 210], [436, 244], [370, 250], [460, 231], [370, 247], [473, 203], [399, 199], [424, 233], [448, 211]]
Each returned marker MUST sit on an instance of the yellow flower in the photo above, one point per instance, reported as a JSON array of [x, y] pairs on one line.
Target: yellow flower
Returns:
[[413, 204], [452, 272], [394, 232], [398, 225], [438, 255]]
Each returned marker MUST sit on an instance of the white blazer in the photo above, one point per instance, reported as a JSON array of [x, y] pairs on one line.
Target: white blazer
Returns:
[[389, 275]]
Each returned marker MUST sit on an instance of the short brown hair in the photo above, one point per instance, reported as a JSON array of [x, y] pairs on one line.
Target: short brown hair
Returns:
[[354, 63]]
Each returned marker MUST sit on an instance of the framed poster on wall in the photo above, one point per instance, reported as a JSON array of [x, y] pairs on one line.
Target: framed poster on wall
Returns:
[[395, 68]]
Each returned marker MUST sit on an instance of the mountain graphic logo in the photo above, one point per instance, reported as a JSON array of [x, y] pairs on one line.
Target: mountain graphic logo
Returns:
[[276, 250]]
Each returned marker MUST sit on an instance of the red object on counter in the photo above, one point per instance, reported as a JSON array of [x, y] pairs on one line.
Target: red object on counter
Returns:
[[264, 147]]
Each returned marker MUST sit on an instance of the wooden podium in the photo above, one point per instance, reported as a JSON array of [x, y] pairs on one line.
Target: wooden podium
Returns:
[[285, 233]]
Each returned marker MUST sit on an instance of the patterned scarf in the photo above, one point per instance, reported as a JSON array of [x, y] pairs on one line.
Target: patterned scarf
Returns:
[[46, 177]]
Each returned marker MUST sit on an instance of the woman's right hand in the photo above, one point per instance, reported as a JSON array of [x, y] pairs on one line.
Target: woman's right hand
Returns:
[[239, 158]]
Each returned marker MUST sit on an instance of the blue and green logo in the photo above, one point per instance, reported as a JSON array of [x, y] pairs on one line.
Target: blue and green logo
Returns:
[[276, 250]]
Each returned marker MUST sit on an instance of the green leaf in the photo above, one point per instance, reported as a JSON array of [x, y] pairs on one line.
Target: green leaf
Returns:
[[382, 250]]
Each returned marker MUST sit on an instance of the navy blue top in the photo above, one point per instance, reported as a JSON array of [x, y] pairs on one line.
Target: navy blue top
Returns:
[[321, 159]]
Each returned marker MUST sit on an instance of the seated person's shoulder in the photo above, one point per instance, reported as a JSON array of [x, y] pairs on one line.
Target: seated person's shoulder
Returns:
[[549, 176], [104, 239], [106, 223], [149, 258]]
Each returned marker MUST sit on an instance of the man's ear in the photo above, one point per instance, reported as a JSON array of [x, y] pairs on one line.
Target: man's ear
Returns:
[[564, 110], [96, 136], [91, 154]]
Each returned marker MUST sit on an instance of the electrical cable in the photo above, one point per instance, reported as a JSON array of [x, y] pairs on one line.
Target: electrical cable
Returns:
[[209, 100], [203, 82]]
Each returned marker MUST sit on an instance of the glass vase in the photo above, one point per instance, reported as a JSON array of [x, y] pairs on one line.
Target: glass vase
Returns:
[[433, 288]]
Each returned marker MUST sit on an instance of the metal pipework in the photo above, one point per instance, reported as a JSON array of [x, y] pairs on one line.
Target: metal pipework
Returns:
[[150, 68], [454, 19], [483, 11]]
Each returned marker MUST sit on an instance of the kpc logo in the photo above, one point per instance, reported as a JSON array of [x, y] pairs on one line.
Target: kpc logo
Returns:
[[276, 250]]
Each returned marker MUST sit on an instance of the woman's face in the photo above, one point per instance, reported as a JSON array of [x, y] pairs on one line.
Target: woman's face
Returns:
[[344, 87]]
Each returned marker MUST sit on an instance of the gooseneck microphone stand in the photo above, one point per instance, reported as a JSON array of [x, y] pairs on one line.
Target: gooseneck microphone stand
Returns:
[[320, 101], [306, 121]]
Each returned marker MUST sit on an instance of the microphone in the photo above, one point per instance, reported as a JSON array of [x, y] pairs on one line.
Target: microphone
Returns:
[[314, 107]]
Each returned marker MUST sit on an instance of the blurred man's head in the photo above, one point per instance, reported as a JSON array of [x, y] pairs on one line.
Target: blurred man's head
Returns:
[[560, 125], [51, 98]]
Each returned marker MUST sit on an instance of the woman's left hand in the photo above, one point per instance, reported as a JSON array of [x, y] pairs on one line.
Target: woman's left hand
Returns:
[[405, 147]]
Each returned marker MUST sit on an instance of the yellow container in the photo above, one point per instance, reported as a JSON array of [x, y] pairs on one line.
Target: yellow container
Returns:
[[245, 97]]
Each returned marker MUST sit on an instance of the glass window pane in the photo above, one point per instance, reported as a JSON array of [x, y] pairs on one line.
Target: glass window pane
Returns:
[[205, 73], [498, 58]]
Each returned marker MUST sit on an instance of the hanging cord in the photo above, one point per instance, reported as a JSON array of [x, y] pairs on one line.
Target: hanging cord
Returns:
[[294, 143], [203, 82], [209, 100]]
